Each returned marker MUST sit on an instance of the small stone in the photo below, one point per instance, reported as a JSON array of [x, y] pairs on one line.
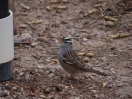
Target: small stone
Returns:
[[24, 39], [23, 26], [6, 93], [47, 90], [52, 70], [109, 23], [56, 23], [48, 8], [47, 28], [14, 88], [40, 71], [34, 44], [85, 39], [42, 96], [103, 58], [58, 88], [51, 74], [40, 66], [41, 34], [63, 22], [111, 82], [65, 1]]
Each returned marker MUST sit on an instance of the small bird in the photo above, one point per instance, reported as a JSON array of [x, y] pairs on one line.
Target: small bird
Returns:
[[70, 61]]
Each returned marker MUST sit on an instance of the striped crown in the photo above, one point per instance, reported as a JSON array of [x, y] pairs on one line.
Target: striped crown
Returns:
[[67, 40]]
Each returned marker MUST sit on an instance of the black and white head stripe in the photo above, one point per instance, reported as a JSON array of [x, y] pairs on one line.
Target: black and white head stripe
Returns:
[[67, 40]]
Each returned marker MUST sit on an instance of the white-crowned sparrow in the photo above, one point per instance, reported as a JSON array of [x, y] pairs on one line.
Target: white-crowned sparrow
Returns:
[[69, 60]]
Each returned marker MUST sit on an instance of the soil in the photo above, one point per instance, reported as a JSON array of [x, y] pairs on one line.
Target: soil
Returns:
[[36, 71]]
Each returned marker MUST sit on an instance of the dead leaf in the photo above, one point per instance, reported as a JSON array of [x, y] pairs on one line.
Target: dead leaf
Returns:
[[25, 7], [117, 36], [86, 54], [110, 18], [105, 83], [35, 22], [56, 1]]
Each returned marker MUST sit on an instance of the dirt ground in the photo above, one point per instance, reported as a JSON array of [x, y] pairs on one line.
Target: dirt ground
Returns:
[[36, 71]]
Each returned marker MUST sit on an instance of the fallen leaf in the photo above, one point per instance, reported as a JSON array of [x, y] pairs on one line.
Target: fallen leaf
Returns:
[[122, 35], [105, 83]]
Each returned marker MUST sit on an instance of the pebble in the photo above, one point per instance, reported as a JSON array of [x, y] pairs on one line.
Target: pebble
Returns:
[[42, 96], [51, 74], [111, 82], [25, 38], [40, 66], [65, 1], [103, 58], [47, 90], [40, 71], [52, 70], [85, 39], [34, 44], [109, 23], [6, 92]]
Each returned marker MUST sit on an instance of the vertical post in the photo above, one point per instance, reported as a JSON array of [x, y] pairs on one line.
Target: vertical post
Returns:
[[12, 8], [6, 41]]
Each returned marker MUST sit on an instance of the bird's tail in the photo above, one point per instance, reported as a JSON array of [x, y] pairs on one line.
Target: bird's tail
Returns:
[[96, 72]]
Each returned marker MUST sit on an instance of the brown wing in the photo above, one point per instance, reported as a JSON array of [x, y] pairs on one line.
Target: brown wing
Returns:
[[71, 58]]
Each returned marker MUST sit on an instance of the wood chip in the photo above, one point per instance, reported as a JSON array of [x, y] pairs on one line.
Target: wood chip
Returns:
[[100, 5], [35, 22], [56, 1], [25, 7], [61, 7], [110, 18], [117, 36], [48, 60], [86, 54], [105, 83], [90, 12]]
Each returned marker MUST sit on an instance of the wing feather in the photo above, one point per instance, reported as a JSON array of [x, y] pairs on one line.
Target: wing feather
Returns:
[[71, 58]]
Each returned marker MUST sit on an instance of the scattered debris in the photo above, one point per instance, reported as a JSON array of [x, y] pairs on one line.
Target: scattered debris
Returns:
[[35, 22], [25, 7]]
